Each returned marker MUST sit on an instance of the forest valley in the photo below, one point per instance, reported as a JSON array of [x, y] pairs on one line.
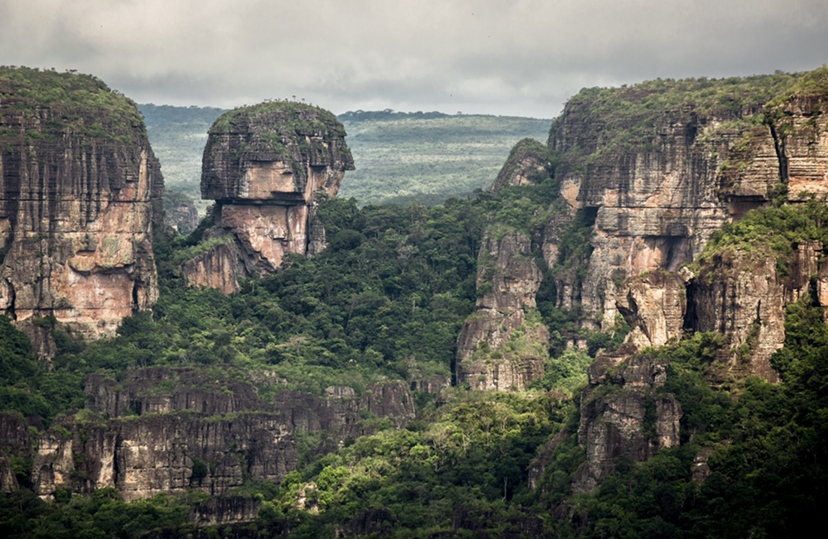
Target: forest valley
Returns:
[[625, 336]]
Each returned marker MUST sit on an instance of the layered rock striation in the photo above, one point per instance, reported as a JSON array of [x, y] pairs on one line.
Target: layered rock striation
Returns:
[[266, 166], [79, 191], [652, 166], [172, 429], [503, 345]]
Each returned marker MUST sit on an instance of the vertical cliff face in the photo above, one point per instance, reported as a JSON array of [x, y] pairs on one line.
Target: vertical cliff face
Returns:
[[633, 420], [651, 163], [79, 186], [503, 345], [265, 166], [171, 429], [652, 190]]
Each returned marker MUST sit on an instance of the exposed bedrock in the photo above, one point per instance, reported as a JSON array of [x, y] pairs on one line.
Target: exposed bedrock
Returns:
[[633, 420], [265, 166], [654, 306], [801, 134], [528, 163], [168, 429], [503, 345], [653, 208], [741, 294], [79, 189]]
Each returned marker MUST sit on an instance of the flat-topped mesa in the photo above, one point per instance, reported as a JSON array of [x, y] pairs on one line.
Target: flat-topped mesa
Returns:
[[657, 168], [264, 166], [78, 184]]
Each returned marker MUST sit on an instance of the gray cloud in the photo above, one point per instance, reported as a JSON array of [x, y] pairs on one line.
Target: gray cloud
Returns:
[[494, 56]]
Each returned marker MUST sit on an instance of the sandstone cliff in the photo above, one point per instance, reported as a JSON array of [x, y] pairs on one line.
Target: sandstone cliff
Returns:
[[528, 163], [78, 188], [647, 163], [169, 429], [629, 418], [265, 166], [503, 345]]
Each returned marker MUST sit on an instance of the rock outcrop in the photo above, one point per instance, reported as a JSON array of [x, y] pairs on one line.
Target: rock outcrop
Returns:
[[169, 429], [741, 294], [634, 420], [265, 167], [180, 212], [528, 163], [79, 190], [658, 181], [503, 345], [14, 442], [654, 306]]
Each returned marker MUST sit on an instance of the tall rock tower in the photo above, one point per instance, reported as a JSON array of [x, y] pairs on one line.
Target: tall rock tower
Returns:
[[264, 166], [78, 187]]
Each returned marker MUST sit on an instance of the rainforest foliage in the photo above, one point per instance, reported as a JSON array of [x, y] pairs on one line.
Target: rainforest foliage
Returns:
[[367, 308], [386, 300]]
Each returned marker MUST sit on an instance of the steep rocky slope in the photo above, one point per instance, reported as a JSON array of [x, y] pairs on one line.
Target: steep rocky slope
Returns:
[[79, 186], [265, 166]]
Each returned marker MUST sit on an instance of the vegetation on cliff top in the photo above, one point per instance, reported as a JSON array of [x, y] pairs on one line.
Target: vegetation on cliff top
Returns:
[[386, 300], [629, 117], [79, 105], [294, 119]]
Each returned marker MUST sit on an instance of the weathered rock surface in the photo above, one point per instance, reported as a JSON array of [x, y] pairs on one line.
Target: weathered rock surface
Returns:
[[659, 184], [654, 306], [14, 442], [265, 166], [180, 212], [223, 511], [78, 187], [168, 429], [740, 293], [219, 267], [800, 130], [528, 163], [633, 420], [498, 347]]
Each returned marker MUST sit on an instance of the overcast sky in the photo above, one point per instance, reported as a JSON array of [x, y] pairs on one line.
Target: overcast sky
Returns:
[[509, 57]]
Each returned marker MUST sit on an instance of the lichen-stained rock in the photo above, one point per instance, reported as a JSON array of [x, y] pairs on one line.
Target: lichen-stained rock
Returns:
[[169, 429], [265, 167], [653, 164], [528, 163], [503, 345], [78, 188], [740, 294], [653, 305], [623, 414]]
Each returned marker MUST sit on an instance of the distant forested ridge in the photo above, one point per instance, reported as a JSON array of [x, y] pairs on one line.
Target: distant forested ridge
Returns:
[[428, 156]]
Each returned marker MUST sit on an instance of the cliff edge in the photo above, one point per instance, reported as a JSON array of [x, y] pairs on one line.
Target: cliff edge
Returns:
[[78, 187]]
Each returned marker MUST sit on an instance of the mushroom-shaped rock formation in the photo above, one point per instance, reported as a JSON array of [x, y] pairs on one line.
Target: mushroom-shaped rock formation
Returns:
[[265, 166]]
